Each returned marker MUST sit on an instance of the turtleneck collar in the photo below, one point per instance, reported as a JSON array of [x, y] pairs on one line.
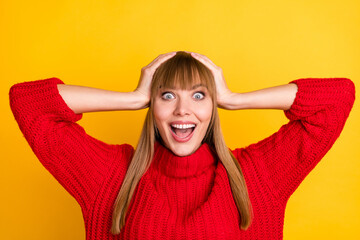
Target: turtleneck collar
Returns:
[[182, 167]]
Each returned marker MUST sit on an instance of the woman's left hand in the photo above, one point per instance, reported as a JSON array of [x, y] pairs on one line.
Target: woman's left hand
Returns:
[[222, 91]]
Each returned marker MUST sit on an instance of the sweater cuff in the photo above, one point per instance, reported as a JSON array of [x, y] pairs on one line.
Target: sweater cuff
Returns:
[[44, 96], [316, 93]]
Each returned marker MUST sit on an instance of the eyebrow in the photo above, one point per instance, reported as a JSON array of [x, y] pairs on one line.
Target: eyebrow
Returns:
[[198, 85]]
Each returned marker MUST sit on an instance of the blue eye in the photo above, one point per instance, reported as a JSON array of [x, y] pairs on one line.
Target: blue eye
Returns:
[[199, 95], [167, 95]]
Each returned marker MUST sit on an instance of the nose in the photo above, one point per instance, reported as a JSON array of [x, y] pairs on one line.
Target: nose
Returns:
[[182, 107]]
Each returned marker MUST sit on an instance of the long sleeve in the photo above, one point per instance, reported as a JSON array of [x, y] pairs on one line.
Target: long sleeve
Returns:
[[77, 160], [316, 119]]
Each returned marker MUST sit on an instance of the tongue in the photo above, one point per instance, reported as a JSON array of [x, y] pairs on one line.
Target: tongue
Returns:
[[183, 133]]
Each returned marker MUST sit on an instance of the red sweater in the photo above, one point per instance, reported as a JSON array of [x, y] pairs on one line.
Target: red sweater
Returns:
[[183, 197]]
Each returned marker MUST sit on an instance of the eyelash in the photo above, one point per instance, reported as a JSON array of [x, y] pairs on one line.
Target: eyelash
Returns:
[[200, 93], [164, 93]]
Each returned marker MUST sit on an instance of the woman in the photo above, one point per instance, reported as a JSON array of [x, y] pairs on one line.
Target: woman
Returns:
[[182, 182]]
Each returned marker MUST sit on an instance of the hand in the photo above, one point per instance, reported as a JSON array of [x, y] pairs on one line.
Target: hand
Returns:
[[147, 72], [222, 91]]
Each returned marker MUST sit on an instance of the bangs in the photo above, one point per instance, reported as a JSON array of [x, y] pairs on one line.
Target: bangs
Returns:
[[184, 77], [182, 72]]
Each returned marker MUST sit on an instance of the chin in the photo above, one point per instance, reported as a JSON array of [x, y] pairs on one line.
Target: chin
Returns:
[[183, 150]]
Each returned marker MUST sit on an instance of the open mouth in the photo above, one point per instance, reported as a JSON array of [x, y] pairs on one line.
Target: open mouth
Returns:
[[182, 131]]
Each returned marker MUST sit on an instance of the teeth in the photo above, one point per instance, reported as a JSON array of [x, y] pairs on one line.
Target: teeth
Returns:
[[183, 126]]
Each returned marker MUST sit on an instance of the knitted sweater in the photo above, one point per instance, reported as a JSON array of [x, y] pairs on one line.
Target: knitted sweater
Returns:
[[183, 197]]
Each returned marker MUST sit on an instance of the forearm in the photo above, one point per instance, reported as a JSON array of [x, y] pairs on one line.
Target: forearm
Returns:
[[83, 99], [278, 97]]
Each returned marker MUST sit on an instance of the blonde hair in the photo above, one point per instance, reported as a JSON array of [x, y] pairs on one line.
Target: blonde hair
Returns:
[[182, 71]]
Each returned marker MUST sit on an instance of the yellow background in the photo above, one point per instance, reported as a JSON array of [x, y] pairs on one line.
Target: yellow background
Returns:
[[104, 44]]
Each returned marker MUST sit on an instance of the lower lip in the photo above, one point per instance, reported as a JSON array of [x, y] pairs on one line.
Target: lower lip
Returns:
[[178, 139]]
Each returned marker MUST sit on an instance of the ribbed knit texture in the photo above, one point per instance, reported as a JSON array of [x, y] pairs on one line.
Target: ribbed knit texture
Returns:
[[183, 197]]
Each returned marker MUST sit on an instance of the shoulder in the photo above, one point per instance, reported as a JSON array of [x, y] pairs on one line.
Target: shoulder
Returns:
[[125, 150], [124, 154], [241, 153], [245, 159]]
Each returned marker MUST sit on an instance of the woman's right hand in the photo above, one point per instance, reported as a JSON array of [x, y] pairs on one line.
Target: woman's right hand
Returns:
[[147, 72]]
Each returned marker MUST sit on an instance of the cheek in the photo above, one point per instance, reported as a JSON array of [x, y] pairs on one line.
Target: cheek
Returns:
[[161, 113], [204, 112]]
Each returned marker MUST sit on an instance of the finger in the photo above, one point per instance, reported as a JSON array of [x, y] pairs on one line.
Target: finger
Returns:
[[206, 61], [203, 57], [160, 59], [164, 57], [198, 55]]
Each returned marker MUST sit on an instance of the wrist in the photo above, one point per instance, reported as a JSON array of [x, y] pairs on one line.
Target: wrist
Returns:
[[140, 100], [232, 101]]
